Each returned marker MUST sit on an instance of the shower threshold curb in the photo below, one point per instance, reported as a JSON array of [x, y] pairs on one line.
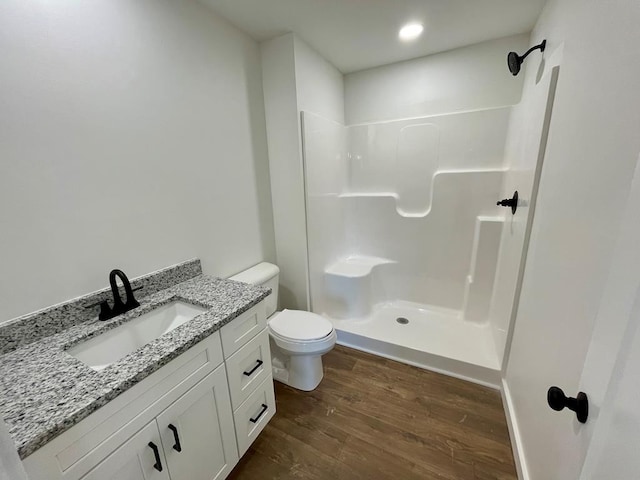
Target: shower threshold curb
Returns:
[[448, 366]]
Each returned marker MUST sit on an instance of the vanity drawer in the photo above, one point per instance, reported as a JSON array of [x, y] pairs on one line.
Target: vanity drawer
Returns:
[[243, 328], [253, 415], [248, 367]]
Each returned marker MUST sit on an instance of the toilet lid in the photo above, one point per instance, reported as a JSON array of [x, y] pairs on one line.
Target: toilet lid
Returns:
[[300, 326]]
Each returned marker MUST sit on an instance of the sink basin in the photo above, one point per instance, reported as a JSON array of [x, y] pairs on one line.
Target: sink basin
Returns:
[[101, 351]]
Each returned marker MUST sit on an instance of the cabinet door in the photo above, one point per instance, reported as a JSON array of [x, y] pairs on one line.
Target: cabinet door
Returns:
[[197, 431], [135, 459]]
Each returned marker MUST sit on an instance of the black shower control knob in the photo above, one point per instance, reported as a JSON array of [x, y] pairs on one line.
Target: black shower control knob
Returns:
[[507, 202], [558, 401], [510, 202]]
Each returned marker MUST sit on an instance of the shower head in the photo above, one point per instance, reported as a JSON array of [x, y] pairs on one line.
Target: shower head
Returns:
[[514, 61]]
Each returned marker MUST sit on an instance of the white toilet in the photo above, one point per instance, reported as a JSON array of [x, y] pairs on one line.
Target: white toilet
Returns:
[[298, 339]]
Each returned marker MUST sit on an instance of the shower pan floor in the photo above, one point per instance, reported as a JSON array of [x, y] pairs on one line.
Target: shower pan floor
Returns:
[[425, 336]]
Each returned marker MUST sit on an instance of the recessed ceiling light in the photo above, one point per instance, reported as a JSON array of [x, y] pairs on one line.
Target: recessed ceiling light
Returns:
[[410, 31]]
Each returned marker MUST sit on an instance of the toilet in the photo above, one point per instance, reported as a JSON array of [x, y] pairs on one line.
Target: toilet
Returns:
[[298, 339]]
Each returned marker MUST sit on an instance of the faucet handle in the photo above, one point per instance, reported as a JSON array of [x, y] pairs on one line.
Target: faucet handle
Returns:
[[91, 305], [105, 309]]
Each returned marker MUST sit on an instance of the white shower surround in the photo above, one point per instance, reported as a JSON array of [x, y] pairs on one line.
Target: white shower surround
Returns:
[[402, 222]]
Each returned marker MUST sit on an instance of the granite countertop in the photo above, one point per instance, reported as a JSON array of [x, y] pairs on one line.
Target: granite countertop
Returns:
[[45, 391]]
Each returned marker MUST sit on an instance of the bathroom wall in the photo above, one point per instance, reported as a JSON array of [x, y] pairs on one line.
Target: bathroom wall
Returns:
[[131, 136], [524, 154], [591, 155], [295, 78], [326, 164], [469, 78], [320, 86]]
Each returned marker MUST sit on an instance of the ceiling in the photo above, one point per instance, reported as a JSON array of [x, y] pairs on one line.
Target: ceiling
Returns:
[[359, 34]]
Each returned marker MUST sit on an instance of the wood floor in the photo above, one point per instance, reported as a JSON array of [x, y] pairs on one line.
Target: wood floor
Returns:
[[373, 418]]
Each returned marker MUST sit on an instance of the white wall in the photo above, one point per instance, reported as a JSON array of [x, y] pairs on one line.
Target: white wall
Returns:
[[524, 155], [468, 78], [320, 86], [613, 452], [296, 79], [287, 186], [325, 152], [131, 136], [591, 154]]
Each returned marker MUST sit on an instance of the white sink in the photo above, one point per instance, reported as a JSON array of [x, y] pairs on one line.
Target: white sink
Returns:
[[101, 351]]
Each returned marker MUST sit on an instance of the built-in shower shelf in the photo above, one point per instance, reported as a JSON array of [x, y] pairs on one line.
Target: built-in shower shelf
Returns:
[[368, 195], [356, 266], [437, 186]]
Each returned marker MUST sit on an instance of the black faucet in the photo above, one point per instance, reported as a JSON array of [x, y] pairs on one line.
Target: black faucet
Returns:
[[119, 307]]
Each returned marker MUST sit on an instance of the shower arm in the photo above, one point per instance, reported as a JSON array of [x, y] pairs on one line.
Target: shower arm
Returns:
[[532, 49]]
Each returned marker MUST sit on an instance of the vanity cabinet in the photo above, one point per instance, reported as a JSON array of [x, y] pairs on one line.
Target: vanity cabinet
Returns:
[[134, 460], [198, 433], [190, 420], [192, 439]]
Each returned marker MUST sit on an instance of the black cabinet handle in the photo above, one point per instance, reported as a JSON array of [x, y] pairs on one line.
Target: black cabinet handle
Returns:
[[264, 409], [156, 453], [558, 401], [258, 365], [176, 446]]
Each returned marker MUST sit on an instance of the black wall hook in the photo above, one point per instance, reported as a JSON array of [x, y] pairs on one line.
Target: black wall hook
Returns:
[[558, 401]]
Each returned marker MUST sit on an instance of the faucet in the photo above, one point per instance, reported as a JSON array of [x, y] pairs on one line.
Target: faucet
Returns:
[[119, 307]]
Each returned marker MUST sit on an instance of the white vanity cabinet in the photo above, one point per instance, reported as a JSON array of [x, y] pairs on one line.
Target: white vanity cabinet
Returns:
[[191, 439], [190, 420], [197, 431], [134, 460], [248, 361]]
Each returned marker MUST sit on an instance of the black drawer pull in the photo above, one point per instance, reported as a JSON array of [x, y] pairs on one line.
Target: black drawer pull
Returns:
[[156, 453], [176, 446], [264, 409], [258, 365]]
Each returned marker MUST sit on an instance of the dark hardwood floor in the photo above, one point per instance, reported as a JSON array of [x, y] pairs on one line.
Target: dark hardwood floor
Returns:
[[373, 418]]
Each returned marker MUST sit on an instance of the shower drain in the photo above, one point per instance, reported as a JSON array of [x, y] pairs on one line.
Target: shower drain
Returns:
[[402, 320]]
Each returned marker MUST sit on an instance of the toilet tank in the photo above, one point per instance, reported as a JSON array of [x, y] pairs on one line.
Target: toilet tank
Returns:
[[265, 274]]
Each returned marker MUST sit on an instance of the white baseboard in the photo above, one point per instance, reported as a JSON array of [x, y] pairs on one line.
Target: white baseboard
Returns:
[[514, 432]]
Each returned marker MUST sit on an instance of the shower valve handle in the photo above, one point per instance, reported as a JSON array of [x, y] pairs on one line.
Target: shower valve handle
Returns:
[[510, 202]]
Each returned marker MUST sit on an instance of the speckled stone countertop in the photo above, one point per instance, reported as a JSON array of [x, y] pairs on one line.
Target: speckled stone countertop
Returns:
[[45, 391]]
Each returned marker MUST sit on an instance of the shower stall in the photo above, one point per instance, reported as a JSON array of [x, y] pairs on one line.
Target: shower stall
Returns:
[[404, 233]]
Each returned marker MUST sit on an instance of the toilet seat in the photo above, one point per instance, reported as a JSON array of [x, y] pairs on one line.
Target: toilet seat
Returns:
[[300, 327]]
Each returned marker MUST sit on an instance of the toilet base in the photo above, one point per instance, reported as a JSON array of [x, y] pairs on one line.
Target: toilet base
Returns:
[[303, 372]]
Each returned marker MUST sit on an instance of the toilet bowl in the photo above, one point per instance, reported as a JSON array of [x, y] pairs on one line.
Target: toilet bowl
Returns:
[[298, 339]]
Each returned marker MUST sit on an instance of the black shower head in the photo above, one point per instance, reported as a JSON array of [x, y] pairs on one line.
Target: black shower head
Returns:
[[514, 61]]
